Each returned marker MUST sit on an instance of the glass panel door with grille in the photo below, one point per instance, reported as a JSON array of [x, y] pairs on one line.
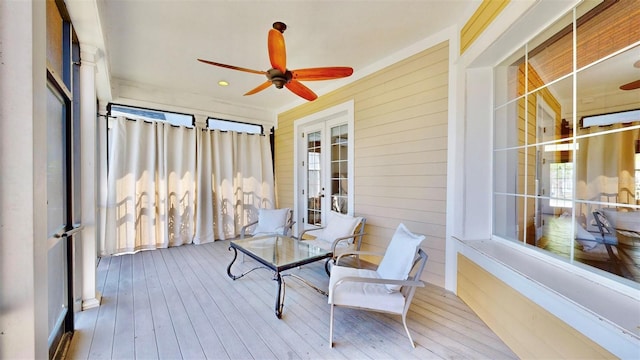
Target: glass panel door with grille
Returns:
[[315, 186], [324, 180], [59, 225]]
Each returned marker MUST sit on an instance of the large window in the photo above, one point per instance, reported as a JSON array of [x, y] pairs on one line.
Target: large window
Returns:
[[172, 118], [228, 125], [552, 171]]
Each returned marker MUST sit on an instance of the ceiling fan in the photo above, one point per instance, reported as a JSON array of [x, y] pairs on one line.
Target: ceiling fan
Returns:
[[634, 84], [280, 76]]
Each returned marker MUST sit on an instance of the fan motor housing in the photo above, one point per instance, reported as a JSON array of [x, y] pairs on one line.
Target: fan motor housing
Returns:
[[278, 78]]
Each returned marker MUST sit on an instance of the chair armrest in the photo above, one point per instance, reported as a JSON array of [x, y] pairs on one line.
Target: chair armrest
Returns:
[[350, 253], [306, 231], [338, 240], [288, 228], [416, 283], [244, 228]]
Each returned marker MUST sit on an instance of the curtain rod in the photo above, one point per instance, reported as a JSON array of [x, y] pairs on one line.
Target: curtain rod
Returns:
[[106, 116]]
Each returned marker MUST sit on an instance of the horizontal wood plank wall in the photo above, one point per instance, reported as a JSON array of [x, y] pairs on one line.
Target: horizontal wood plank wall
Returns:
[[400, 151], [528, 329], [481, 18]]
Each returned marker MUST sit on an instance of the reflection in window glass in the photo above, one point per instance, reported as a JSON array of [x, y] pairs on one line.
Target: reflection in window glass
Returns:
[[504, 219], [561, 183], [606, 28], [562, 152], [509, 73], [550, 55]]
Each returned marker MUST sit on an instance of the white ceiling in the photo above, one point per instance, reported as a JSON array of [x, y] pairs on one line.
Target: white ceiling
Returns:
[[154, 44]]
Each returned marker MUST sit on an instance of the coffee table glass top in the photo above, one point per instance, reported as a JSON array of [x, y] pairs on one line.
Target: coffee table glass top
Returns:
[[280, 252]]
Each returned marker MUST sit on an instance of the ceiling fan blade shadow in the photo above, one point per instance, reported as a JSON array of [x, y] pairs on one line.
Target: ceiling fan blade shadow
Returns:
[[631, 86], [233, 67], [322, 73], [277, 50], [304, 92], [259, 88]]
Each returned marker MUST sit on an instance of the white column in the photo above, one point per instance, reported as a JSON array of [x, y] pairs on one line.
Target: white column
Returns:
[[88, 182], [23, 181]]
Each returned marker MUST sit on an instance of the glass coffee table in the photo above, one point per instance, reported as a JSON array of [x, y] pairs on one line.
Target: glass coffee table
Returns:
[[278, 253]]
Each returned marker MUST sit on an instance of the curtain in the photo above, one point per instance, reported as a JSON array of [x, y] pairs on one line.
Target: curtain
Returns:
[[150, 187], [235, 179], [169, 186], [606, 169]]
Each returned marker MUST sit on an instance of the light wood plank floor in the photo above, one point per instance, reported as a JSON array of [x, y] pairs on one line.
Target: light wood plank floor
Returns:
[[178, 303]]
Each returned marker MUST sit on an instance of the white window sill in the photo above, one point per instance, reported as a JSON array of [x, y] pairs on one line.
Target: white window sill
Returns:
[[602, 307]]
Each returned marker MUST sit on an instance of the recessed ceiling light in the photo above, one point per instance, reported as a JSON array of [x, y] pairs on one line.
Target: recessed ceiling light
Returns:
[[223, 83]]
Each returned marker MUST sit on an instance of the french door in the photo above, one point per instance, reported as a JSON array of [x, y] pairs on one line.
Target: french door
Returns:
[[60, 228], [63, 217], [325, 171]]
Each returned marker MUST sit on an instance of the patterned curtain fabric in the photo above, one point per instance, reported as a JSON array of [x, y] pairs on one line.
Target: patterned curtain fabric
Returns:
[[169, 186]]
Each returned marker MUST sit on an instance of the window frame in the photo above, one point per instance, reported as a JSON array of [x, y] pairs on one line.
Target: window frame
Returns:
[[110, 112], [232, 123], [520, 192]]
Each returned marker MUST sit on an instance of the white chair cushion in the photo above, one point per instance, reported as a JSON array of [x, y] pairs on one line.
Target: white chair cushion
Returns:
[[271, 221], [361, 294], [398, 258], [338, 225], [585, 238]]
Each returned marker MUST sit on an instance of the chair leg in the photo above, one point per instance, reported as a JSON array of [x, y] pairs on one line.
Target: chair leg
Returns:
[[327, 266], [331, 327], [404, 322], [614, 259]]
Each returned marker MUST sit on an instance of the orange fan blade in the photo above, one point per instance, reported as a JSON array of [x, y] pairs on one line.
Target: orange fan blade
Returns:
[[277, 51], [262, 86], [304, 92], [631, 86], [323, 73], [233, 67]]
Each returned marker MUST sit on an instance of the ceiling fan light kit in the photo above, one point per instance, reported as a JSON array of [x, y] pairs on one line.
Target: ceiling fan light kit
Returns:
[[280, 76]]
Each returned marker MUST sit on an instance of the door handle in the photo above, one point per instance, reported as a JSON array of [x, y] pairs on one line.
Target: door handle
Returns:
[[66, 233]]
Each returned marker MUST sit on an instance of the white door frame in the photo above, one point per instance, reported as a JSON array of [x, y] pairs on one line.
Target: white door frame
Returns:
[[344, 110]]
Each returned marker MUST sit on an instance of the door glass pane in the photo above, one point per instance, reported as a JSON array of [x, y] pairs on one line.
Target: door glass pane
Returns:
[[339, 169], [314, 189], [56, 188], [56, 212]]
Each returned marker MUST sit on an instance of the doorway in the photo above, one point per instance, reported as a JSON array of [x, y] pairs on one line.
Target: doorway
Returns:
[[324, 166], [60, 226], [62, 194], [545, 132]]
